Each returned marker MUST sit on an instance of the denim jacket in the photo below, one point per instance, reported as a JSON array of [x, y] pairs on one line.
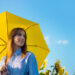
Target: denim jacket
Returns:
[[22, 66]]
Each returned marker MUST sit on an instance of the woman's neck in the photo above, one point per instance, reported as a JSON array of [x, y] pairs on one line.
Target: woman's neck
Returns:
[[16, 47]]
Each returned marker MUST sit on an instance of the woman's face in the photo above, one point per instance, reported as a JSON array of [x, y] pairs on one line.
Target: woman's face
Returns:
[[19, 39]]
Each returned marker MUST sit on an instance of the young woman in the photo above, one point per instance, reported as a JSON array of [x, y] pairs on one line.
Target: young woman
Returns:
[[18, 60]]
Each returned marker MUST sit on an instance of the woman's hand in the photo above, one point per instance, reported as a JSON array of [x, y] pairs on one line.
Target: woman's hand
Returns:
[[3, 70], [3, 67]]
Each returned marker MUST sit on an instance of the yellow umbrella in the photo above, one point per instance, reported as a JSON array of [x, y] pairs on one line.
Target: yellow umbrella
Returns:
[[35, 39]]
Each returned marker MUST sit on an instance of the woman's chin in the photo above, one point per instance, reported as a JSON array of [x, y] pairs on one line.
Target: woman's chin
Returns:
[[20, 45]]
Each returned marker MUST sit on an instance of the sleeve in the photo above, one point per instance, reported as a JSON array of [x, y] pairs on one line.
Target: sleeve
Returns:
[[2, 62], [32, 65]]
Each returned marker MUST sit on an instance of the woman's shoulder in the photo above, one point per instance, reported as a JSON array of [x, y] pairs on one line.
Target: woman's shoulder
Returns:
[[30, 55]]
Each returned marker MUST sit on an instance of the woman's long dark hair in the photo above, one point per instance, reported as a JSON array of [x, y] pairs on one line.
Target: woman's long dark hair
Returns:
[[10, 45]]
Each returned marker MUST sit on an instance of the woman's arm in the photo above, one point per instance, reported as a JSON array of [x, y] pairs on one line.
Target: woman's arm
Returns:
[[32, 65], [3, 68], [2, 62]]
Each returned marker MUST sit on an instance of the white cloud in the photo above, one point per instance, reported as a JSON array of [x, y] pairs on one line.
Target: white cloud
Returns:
[[62, 41]]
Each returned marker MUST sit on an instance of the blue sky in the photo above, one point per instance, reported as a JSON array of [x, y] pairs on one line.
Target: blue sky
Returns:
[[56, 19]]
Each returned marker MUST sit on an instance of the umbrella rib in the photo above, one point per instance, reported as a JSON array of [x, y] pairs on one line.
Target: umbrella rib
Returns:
[[3, 49], [3, 44], [27, 45], [2, 40], [30, 26], [38, 46]]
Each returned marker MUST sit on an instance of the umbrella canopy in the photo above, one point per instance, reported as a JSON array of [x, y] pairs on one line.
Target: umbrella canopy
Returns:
[[35, 39]]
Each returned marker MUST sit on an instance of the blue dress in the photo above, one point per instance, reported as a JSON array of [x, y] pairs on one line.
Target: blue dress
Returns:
[[22, 66]]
